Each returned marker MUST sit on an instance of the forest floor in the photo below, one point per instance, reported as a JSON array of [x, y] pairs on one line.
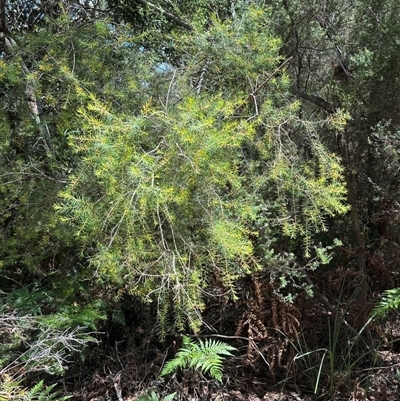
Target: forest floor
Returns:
[[127, 362], [126, 374]]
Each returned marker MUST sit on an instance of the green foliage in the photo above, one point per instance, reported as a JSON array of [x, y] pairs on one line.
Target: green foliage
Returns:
[[12, 390], [117, 316], [25, 300], [206, 356], [390, 301], [169, 157], [41, 269], [55, 62], [88, 316], [40, 392], [42, 302], [168, 190]]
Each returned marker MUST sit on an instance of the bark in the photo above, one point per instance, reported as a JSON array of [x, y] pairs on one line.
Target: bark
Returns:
[[33, 102], [3, 25], [352, 190], [318, 101]]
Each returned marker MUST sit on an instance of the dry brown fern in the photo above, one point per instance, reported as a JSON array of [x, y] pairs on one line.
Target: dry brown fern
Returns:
[[270, 346], [254, 329]]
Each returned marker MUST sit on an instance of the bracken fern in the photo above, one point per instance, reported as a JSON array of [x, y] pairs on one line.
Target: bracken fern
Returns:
[[11, 389], [41, 393], [390, 300], [206, 356]]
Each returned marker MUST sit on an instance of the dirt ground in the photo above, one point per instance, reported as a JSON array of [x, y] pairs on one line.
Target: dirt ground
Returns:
[[130, 368], [380, 384]]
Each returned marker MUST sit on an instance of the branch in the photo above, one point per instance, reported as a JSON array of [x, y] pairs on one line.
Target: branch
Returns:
[[34, 103], [169, 16], [318, 101], [271, 76]]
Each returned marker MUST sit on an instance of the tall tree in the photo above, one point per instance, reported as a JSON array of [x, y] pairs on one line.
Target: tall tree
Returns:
[[338, 66]]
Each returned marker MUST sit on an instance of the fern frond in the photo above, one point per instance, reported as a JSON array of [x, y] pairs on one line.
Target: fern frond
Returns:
[[169, 397], [10, 389], [39, 392], [151, 396], [390, 301], [117, 316], [206, 357]]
